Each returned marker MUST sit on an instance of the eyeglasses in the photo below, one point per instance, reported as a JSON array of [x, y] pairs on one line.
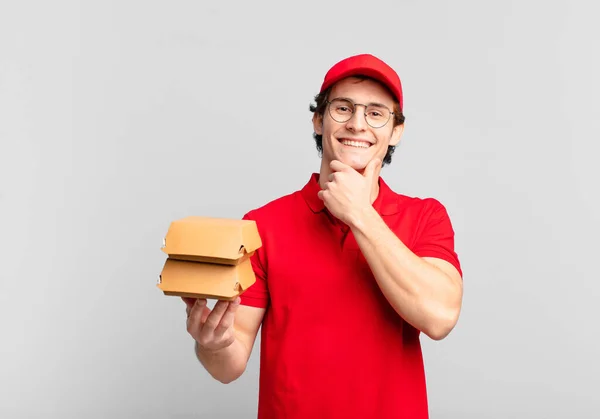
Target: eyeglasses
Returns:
[[376, 115]]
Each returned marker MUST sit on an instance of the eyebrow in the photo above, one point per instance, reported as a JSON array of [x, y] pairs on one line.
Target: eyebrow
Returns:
[[370, 104], [378, 104]]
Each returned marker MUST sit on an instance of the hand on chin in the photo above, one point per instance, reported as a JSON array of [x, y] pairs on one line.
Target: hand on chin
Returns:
[[358, 163]]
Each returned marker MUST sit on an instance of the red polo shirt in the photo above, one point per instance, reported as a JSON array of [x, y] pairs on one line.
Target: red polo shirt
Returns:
[[331, 344]]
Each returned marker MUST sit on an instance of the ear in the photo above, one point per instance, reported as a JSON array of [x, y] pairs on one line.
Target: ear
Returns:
[[317, 123], [396, 134]]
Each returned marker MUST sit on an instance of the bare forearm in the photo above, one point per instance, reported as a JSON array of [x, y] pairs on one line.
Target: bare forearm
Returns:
[[225, 365], [421, 293]]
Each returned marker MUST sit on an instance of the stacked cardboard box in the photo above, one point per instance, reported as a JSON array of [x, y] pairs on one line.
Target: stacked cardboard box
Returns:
[[209, 257]]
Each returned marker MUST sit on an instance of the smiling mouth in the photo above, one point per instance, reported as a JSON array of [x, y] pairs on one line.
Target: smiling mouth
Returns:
[[355, 143]]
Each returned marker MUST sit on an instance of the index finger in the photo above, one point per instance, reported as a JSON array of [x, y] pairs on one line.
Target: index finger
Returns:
[[338, 166], [189, 302]]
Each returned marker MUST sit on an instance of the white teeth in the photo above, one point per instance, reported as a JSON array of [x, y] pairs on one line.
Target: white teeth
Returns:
[[360, 144]]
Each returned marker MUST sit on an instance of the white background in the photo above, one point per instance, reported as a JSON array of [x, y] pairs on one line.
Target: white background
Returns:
[[117, 117]]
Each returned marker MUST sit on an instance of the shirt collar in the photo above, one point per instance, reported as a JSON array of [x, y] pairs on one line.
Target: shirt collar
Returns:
[[386, 202]]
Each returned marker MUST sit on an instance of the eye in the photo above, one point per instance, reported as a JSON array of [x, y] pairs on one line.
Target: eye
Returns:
[[377, 113]]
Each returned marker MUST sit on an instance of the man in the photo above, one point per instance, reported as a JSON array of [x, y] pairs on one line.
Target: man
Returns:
[[349, 275]]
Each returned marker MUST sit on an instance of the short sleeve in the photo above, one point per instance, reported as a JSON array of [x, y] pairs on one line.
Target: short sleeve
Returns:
[[257, 295], [437, 237]]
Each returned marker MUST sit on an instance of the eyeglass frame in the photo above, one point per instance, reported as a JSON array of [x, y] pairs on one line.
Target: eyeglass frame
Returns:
[[354, 105]]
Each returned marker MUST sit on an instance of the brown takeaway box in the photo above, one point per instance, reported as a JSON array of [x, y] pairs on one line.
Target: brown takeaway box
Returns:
[[209, 257]]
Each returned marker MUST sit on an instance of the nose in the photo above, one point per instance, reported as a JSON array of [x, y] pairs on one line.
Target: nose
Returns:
[[357, 122]]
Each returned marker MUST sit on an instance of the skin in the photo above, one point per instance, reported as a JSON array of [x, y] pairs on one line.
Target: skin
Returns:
[[224, 336], [426, 292], [359, 91]]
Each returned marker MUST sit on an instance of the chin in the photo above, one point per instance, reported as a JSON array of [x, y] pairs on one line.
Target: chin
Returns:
[[356, 162]]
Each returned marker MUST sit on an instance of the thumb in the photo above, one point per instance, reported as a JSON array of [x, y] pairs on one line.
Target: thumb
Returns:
[[372, 168]]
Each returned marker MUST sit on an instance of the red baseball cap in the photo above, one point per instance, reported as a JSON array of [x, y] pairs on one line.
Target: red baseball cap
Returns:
[[366, 65]]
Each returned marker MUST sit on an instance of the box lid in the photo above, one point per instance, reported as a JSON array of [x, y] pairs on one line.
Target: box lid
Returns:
[[209, 237]]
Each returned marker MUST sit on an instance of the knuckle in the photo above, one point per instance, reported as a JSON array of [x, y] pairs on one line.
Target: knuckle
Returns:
[[229, 341], [211, 322], [204, 339], [191, 329], [223, 326]]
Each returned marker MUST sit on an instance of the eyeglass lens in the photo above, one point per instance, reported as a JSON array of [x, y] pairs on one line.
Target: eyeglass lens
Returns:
[[341, 110]]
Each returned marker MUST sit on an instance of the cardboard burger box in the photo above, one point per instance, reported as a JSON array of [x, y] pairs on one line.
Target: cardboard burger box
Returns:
[[209, 257]]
